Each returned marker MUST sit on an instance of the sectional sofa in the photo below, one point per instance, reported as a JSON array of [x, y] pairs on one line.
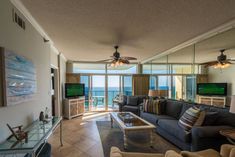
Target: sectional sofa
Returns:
[[201, 137]]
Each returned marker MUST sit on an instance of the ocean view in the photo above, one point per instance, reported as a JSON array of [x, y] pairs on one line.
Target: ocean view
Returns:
[[98, 94]]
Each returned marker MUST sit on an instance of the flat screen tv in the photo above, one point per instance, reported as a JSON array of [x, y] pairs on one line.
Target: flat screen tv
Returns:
[[73, 90], [212, 89]]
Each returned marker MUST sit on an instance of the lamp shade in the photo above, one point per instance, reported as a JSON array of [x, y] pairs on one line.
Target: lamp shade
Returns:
[[232, 105], [153, 93]]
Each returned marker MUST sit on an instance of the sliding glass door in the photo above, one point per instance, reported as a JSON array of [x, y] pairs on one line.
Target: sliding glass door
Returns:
[[86, 80], [98, 92], [114, 90], [101, 90], [127, 85]]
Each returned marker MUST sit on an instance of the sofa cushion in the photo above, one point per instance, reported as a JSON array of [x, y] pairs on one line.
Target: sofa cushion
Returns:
[[173, 108], [210, 118], [189, 118], [141, 98], [132, 100], [153, 118], [224, 116], [172, 127], [129, 108], [200, 119]]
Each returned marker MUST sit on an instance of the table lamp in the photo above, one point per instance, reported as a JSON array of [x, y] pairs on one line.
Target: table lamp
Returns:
[[153, 93], [232, 105]]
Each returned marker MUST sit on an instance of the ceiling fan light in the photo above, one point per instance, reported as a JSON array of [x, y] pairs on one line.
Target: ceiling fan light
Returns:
[[221, 65]]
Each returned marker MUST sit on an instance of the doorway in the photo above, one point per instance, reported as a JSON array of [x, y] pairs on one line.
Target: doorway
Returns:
[[55, 105]]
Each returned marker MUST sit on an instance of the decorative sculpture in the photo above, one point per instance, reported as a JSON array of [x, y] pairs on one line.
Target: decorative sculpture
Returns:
[[18, 133]]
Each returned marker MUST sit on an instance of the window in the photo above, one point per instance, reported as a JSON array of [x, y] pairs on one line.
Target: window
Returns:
[[124, 69], [159, 68], [181, 69], [153, 82], [127, 85], [147, 68], [89, 68]]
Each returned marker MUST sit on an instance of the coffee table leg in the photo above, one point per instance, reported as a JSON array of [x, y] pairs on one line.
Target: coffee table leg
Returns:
[[151, 138], [125, 139]]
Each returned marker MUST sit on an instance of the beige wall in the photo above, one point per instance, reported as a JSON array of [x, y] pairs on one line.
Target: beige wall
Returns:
[[54, 58], [226, 75], [29, 44]]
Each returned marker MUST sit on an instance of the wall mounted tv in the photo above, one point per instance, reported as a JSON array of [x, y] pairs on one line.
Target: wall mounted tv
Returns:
[[73, 90], [212, 89]]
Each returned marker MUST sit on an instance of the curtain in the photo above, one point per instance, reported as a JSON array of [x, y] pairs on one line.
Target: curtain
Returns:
[[140, 84]]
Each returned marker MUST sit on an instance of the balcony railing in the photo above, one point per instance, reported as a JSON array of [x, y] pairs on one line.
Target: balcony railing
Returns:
[[97, 98]]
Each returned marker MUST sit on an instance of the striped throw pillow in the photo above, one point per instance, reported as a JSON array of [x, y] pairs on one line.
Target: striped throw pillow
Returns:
[[189, 118], [152, 106]]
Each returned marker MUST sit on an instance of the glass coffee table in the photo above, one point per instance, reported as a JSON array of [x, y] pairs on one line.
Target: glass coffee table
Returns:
[[129, 122]]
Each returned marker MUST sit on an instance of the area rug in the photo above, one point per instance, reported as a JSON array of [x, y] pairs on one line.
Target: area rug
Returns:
[[137, 142]]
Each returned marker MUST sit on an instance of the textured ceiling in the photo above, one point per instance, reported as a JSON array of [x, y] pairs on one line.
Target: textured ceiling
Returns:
[[87, 30]]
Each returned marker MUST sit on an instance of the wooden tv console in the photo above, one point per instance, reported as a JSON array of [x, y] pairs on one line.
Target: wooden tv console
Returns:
[[212, 100], [74, 107]]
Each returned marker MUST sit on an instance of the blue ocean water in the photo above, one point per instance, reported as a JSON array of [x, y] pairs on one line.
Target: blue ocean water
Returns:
[[99, 93]]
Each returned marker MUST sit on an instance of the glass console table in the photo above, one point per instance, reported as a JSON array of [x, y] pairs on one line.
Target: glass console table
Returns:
[[38, 133]]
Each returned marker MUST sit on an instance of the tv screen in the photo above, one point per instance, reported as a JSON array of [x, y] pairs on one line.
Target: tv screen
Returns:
[[217, 89], [74, 90]]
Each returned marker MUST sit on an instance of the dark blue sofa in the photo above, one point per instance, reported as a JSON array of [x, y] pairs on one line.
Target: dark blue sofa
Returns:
[[201, 137]]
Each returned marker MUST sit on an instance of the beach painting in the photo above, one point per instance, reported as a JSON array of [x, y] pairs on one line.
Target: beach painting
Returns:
[[20, 79]]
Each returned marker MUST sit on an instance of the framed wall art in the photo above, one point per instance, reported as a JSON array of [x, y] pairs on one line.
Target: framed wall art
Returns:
[[18, 81]]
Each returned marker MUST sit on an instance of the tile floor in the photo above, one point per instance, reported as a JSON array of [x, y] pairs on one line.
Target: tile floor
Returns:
[[80, 137]]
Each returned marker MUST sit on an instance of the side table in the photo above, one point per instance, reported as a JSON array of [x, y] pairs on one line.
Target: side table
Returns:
[[229, 134]]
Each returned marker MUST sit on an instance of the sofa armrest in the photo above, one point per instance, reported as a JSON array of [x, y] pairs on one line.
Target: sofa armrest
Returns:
[[205, 137], [120, 105], [208, 131], [141, 106]]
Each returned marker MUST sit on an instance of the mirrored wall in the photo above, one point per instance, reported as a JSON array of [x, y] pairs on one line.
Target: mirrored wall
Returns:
[[179, 72]]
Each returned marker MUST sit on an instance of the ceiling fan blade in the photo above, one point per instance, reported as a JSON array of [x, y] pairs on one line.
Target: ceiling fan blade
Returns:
[[105, 60], [125, 61], [207, 63], [128, 58], [233, 60]]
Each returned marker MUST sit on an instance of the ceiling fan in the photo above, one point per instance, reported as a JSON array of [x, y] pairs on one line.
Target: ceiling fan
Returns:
[[221, 62], [117, 59]]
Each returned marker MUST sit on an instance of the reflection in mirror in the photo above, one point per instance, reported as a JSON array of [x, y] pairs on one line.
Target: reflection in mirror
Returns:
[[208, 50]]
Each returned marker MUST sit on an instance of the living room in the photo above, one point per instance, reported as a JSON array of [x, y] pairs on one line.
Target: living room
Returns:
[[117, 78]]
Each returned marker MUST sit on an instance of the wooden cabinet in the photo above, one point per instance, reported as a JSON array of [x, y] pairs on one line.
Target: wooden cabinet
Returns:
[[74, 107], [72, 78], [212, 100]]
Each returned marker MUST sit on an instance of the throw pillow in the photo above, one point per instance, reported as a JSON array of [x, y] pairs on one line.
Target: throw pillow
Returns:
[[200, 119], [152, 106], [210, 118], [145, 105], [156, 107], [189, 118], [132, 100]]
